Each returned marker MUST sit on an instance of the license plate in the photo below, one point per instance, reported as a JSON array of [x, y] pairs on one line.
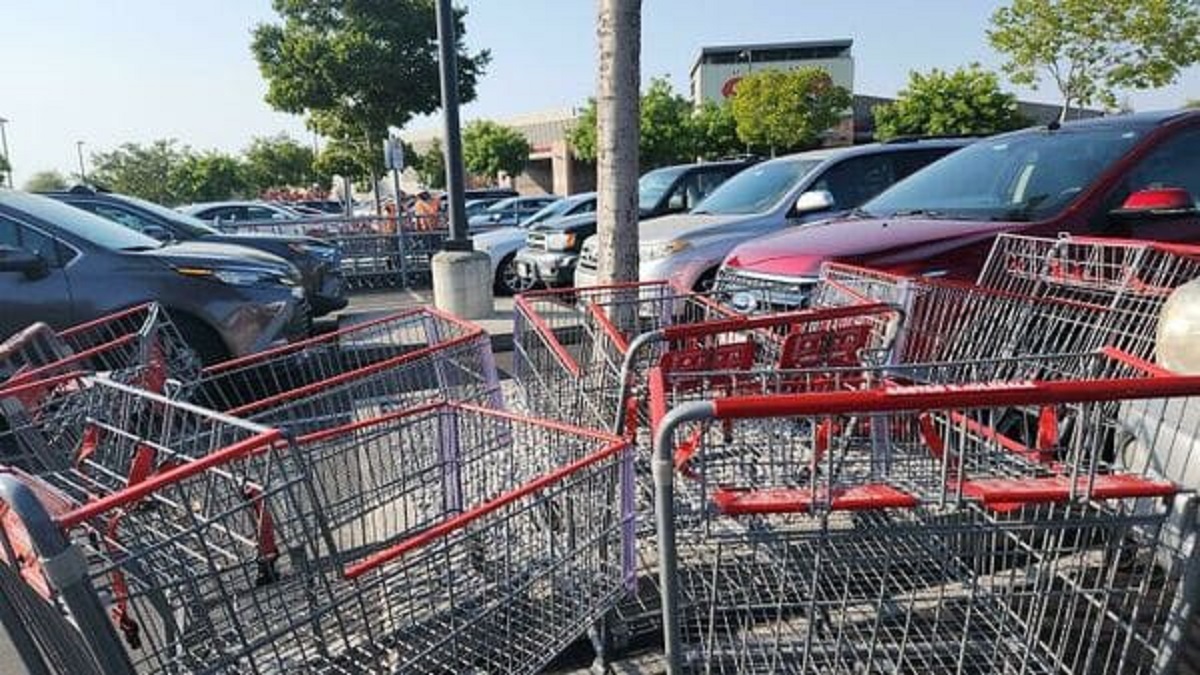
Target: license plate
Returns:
[[524, 269]]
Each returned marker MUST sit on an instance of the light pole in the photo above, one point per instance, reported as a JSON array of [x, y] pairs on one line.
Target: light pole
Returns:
[[4, 148], [749, 57], [82, 171]]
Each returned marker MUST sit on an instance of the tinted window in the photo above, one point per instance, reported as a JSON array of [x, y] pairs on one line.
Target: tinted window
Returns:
[[908, 162], [1174, 163], [758, 188], [188, 223], [654, 184], [119, 215], [15, 235], [8, 234], [261, 213], [1030, 175], [224, 213], [86, 226], [857, 179]]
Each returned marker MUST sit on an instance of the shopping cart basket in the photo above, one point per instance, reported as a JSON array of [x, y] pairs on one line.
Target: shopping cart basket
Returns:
[[1130, 279], [901, 528], [358, 372], [443, 538], [137, 344]]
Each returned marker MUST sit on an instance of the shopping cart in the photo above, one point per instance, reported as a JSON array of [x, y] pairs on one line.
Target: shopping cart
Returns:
[[358, 372], [1130, 279], [905, 528], [442, 538], [569, 344], [137, 344]]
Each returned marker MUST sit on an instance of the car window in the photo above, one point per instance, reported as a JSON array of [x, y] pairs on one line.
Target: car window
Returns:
[[907, 162], [16, 235], [259, 213], [758, 188], [857, 179], [1172, 164], [118, 215], [585, 206], [224, 213]]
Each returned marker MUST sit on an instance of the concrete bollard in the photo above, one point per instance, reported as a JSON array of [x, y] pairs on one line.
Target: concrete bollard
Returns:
[[462, 283]]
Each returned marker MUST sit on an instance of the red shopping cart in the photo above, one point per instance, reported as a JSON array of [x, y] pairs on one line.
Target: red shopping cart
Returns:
[[441, 538], [137, 344], [908, 527]]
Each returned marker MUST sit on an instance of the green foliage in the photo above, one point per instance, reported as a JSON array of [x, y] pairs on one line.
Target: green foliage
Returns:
[[355, 67], [141, 170], [715, 131], [665, 122], [1192, 103], [788, 110], [965, 101], [1091, 49], [209, 176], [44, 181], [5, 167], [432, 166], [490, 148], [279, 162]]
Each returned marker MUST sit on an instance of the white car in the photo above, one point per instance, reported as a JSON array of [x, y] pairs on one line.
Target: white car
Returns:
[[260, 216], [501, 245]]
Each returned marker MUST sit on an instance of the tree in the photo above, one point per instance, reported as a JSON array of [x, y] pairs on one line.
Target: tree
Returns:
[[787, 110], [490, 148], [1091, 49], [211, 176], [1192, 103], [44, 181], [965, 101], [141, 170], [354, 68], [432, 166], [279, 162], [619, 32], [665, 124], [715, 131]]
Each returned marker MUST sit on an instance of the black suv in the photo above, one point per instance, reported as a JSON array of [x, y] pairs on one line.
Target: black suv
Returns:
[[319, 262], [64, 266], [552, 249]]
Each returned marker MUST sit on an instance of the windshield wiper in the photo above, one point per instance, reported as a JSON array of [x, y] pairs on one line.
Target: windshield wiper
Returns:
[[917, 213]]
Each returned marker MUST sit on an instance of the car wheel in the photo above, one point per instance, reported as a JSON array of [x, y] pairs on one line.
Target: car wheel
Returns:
[[203, 340], [706, 281], [508, 282]]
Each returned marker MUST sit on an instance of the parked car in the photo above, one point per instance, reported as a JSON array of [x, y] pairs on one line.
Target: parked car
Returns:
[[319, 262], [325, 206], [475, 207], [64, 266], [496, 193], [687, 249], [502, 244], [509, 211], [228, 215], [1122, 176], [551, 252]]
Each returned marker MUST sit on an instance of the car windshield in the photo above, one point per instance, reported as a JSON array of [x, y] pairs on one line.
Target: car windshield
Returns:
[[652, 186], [190, 224], [758, 188], [550, 211], [82, 224], [504, 205], [1028, 176]]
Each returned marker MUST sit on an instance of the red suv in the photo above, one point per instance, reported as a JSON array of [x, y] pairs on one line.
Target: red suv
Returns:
[[1132, 175]]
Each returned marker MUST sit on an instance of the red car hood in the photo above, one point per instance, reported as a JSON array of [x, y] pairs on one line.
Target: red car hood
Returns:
[[880, 242]]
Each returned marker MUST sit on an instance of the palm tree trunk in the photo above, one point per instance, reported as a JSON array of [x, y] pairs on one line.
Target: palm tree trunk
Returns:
[[619, 30]]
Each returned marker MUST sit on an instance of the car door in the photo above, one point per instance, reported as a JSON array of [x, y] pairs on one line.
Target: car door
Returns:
[[1173, 163], [854, 180], [45, 297]]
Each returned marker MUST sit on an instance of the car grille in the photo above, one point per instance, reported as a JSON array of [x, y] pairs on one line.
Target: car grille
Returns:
[[536, 240], [759, 293]]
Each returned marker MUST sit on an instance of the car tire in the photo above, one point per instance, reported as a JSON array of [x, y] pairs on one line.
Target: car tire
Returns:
[[201, 338], [508, 282], [706, 281]]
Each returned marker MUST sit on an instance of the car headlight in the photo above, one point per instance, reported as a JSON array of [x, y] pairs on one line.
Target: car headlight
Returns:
[[321, 252], [560, 241], [661, 249], [237, 276], [1178, 339]]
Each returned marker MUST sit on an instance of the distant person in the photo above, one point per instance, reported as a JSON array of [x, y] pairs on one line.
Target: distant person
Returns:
[[428, 210]]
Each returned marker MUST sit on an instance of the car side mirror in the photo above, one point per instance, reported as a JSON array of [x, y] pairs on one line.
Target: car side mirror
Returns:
[[31, 264], [814, 201], [1156, 204]]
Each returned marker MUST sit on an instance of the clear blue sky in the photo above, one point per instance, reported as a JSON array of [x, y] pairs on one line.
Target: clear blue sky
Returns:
[[136, 70]]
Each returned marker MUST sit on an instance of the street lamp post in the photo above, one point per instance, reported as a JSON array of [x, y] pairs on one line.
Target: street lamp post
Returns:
[[82, 171], [4, 148]]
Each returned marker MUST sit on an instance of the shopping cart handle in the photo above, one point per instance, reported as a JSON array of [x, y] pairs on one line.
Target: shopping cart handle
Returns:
[[742, 322]]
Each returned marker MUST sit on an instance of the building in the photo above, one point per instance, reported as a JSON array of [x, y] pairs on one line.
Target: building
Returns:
[[716, 70]]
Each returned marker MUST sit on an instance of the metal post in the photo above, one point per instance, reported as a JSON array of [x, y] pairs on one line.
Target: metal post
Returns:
[[448, 58], [399, 234], [4, 147], [79, 152]]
